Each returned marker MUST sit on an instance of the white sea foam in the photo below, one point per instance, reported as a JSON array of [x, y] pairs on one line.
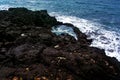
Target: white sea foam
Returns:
[[64, 29], [103, 39], [4, 7]]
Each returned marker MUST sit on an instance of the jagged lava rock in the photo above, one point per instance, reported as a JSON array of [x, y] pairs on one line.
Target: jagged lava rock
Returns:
[[30, 51]]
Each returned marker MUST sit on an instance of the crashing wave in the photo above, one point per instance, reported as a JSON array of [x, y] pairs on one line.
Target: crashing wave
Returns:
[[104, 39]]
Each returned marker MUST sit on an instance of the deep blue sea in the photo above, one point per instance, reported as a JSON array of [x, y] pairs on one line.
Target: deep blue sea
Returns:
[[98, 19]]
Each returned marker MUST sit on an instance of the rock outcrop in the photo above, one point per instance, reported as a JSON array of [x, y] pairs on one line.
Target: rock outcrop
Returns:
[[30, 51]]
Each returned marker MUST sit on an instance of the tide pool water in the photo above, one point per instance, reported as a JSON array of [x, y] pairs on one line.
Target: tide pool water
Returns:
[[98, 19]]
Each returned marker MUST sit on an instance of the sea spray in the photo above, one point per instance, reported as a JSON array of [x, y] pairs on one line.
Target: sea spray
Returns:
[[102, 38], [60, 29]]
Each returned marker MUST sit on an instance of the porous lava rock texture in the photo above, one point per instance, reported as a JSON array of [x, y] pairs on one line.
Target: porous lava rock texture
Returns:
[[30, 51]]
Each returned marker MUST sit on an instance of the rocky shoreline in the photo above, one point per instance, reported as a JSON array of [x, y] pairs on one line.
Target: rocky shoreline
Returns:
[[30, 51]]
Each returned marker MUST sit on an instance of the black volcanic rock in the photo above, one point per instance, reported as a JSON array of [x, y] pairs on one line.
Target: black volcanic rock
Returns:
[[30, 51], [23, 16]]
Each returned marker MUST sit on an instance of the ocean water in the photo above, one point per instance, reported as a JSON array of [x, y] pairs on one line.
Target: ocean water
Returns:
[[98, 19]]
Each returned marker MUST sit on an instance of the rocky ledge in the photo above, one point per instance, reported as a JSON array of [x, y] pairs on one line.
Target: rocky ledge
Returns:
[[30, 51]]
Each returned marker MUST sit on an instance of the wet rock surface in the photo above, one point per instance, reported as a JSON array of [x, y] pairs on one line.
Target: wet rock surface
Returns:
[[30, 51]]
